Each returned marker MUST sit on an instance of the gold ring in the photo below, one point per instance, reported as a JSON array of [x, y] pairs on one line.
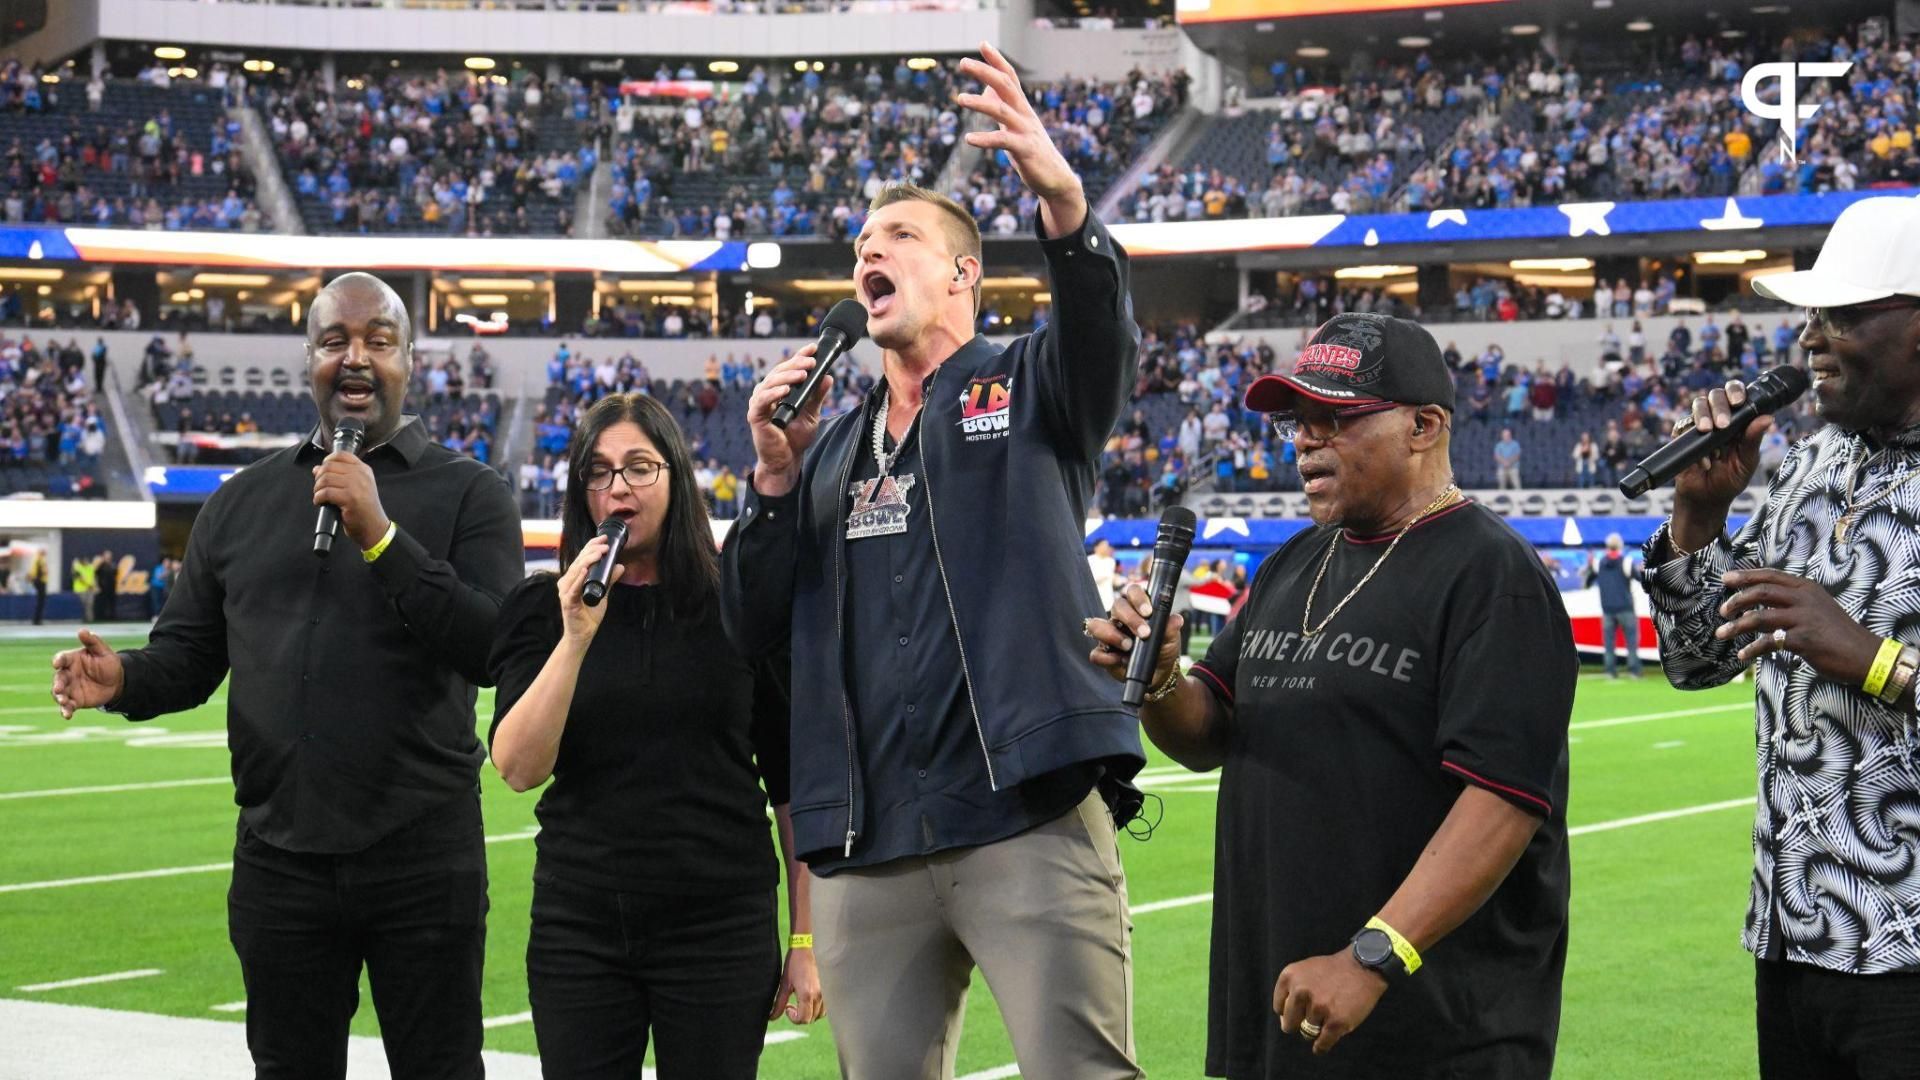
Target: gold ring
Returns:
[[1779, 639], [1309, 1030]]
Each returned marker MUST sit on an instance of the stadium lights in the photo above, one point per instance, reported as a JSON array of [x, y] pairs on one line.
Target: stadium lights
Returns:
[[819, 66], [1639, 26], [656, 286], [479, 63], [246, 280], [799, 65], [1373, 273], [723, 67], [1043, 298], [197, 294], [487, 299], [763, 255], [1733, 32], [184, 72], [170, 52], [44, 290], [1550, 264], [469, 284], [1523, 30], [49, 77], [180, 298], [1415, 41], [1728, 258], [12, 273], [261, 66], [1311, 52], [922, 63]]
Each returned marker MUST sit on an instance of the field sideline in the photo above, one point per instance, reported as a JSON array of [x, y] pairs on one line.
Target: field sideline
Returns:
[[113, 884]]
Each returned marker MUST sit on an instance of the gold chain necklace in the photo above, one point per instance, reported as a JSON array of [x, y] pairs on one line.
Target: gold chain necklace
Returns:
[[1852, 510], [1306, 614]]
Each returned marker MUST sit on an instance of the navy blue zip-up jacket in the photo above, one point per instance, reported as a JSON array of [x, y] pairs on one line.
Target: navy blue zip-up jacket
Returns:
[[1009, 443]]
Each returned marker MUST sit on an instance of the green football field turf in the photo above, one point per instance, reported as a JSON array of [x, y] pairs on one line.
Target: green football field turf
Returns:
[[1657, 985]]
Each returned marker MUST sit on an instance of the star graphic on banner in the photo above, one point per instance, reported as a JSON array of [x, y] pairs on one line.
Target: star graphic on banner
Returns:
[[1439, 217], [1731, 218], [1584, 218], [1216, 526]]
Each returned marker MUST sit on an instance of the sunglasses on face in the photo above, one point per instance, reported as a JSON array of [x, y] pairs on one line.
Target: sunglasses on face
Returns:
[[1839, 322], [1322, 427]]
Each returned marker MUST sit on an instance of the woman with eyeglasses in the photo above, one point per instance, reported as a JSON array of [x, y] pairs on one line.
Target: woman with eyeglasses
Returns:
[[654, 889]]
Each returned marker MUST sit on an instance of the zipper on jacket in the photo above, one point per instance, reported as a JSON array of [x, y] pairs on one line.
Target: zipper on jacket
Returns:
[[840, 632], [966, 675]]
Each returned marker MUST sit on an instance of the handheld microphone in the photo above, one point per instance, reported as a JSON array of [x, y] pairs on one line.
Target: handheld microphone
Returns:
[[615, 530], [842, 329], [346, 437], [1170, 550], [1777, 387]]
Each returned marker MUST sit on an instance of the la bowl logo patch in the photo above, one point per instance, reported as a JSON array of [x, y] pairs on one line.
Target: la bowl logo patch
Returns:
[[986, 409]]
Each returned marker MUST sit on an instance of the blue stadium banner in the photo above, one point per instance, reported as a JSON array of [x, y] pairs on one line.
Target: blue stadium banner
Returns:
[[1571, 220]]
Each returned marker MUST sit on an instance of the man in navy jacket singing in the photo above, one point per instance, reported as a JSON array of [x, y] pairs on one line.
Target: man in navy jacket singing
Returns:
[[957, 766]]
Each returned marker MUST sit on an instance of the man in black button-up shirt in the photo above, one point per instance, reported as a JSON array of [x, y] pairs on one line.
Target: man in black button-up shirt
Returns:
[[350, 714]]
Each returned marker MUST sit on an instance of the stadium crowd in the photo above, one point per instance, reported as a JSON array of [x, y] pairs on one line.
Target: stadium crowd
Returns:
[[778, 153]]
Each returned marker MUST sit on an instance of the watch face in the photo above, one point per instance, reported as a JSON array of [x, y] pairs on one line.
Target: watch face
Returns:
[[1372, 947]]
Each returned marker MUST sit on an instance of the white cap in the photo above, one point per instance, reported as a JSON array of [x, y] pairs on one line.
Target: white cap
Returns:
[[1872, 253]]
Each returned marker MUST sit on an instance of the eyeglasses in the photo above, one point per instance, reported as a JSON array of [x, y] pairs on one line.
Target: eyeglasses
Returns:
[[638, 475], [1839, 322], [1324, 428]]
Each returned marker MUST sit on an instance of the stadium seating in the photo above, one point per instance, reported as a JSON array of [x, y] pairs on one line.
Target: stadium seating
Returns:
[[413, 152], [148, 156]]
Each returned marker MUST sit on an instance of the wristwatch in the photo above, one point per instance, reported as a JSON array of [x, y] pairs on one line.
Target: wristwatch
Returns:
[[1373, 949]]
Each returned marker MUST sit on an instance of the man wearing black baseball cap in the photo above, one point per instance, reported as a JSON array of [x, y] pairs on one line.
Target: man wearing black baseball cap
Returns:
[[1393, 725]]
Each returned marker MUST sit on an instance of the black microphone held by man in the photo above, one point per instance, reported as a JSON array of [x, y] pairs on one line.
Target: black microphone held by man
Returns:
[[1769, 393], [1170, 550], [347, 437], [842, 329]]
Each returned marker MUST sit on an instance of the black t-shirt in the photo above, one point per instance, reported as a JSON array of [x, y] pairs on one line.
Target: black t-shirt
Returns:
[[657, 786], [1455, 665]]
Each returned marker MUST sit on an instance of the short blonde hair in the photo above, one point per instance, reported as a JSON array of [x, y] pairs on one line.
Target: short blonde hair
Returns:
[[963, 233]]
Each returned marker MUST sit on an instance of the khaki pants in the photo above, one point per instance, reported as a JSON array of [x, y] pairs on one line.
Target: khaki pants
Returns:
[[1043, 914]]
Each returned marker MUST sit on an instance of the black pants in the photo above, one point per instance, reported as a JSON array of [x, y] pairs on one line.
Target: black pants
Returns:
[[606, 968], [1824, 1025], [412, 908], [39, 604]]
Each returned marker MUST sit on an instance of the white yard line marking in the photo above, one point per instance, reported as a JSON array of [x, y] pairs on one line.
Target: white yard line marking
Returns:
[[1001, 1073], [1670, 744], [90, 980], [1176, 902], [103, 789], [1615, 721], [1663, 815], [176, 871], [508, 1020], [229, 1007]]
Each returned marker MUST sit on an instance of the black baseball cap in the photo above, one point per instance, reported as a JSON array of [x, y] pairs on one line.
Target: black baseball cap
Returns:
[[1360, 359]]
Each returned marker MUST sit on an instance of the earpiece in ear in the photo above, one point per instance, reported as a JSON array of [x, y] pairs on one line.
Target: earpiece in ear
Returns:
[[959, 272]]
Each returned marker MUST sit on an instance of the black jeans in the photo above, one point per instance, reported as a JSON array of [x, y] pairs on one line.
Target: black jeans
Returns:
[[1824, 1025], [412, 908], [606, 968]]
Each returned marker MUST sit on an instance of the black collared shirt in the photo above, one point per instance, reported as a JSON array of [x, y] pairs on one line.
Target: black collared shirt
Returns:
[[350, 706], [919, 750]]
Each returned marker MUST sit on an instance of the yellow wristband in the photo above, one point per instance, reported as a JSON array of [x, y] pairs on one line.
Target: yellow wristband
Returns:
[[800, 941], [380, 548], [1882, 667], [1409, 956]]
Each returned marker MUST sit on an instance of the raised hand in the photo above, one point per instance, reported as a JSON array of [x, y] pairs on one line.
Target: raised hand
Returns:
[[1024, 137]]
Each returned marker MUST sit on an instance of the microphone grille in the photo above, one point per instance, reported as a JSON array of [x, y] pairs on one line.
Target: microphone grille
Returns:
[[849, 317]]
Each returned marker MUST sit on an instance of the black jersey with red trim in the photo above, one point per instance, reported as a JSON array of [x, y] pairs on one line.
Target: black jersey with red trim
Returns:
[[1454, 665]]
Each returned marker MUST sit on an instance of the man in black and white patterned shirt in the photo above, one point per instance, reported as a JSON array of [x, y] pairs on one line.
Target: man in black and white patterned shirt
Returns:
[[1822, 589]]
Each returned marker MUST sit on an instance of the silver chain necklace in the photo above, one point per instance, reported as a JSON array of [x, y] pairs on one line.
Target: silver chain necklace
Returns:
[[880, 454]]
